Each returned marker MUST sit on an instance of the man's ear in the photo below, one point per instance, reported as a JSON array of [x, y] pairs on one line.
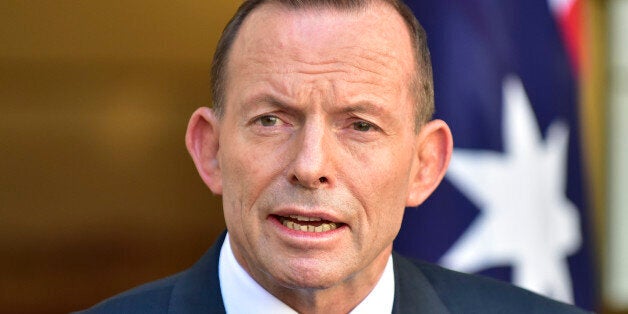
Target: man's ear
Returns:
[[202, 141], [434, 149]]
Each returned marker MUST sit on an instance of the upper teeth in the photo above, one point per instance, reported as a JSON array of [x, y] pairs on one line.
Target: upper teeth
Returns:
[[321, 227], [303, 218], [309, 228]]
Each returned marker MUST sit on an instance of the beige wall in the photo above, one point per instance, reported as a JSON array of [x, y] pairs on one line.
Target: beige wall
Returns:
[[97, 193]]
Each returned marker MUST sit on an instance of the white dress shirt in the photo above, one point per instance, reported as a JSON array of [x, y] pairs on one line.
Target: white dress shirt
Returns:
[[242, 294]]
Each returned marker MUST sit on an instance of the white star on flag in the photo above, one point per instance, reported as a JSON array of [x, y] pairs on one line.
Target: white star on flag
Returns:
[[526, 220]]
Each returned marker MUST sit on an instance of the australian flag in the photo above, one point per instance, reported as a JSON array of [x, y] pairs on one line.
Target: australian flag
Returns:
[[513, 203]]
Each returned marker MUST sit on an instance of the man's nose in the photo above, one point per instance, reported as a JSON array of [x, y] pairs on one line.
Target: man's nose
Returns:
[[312, 165]]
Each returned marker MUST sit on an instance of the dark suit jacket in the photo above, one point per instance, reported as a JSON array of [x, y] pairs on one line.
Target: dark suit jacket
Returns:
[[419, 288]]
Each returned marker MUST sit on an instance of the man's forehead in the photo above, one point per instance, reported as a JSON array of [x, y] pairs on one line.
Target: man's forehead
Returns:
[[274, 26]]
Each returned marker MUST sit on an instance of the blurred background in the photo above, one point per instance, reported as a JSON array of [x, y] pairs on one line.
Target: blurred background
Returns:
[[97, 192]]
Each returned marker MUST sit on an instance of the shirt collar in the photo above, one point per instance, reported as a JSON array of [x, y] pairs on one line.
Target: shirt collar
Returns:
[[242, 294]]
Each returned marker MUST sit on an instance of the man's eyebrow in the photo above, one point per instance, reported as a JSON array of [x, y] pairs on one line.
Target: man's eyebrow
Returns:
[[363, 106], [282, 105], [271, 100], [264, 98]]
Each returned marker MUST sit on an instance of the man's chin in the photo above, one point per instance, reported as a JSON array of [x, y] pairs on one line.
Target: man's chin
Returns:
[[309, 282], [308, 278]]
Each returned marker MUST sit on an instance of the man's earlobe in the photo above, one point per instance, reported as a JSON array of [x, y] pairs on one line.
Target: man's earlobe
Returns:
[[434, 149], [202, 141]]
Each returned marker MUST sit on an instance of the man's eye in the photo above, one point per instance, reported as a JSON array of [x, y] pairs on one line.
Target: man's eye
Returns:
[[362, 126], [268, 120]]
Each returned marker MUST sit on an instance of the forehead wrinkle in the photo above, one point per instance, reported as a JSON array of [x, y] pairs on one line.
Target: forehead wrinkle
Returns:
[[341, 72], [348, 60], [381, 57], [321, 67]]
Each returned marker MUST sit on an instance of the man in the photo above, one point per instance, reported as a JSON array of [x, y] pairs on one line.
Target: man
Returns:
[[319, 138]]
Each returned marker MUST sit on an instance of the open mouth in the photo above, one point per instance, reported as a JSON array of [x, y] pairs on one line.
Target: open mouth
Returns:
[[308, 224]]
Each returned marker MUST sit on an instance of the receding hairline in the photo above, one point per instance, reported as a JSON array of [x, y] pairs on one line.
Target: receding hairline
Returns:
[[400, 50]]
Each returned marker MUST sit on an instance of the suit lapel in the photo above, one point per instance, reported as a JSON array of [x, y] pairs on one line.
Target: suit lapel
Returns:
[[413, 292], [198, 288]]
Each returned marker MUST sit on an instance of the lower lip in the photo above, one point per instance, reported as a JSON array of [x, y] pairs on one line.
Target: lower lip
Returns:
[[305, 234]]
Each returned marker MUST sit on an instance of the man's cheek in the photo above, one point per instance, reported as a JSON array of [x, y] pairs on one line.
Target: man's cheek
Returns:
[[378, 174]]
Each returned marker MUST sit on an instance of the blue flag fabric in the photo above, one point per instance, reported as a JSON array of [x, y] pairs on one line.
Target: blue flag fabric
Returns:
[[512, 205]]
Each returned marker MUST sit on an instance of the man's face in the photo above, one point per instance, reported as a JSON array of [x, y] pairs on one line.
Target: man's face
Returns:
[[317, 143]]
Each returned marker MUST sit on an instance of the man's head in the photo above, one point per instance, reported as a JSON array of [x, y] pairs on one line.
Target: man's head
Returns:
[[421, 84], [316, 152]]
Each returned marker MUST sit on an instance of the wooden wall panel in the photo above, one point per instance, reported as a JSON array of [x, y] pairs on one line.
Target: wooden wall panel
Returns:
[[97, 192]]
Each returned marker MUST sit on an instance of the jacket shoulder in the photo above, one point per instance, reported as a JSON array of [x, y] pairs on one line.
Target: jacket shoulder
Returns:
[[152, 297], [465, 293]]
